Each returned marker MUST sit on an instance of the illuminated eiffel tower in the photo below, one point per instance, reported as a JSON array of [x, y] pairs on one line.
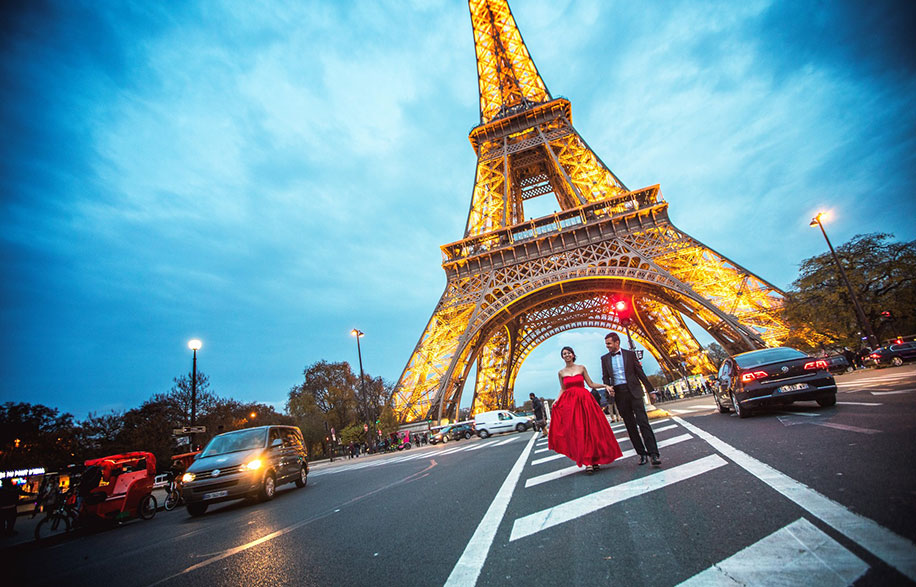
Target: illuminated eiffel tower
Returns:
[[514, 281]]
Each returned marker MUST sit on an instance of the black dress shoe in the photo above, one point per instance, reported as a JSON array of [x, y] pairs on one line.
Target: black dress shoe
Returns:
[[656, 461], [643, 459]]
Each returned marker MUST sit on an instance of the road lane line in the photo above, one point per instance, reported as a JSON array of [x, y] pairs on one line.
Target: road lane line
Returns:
[[891, 548], [540, 450], [799, 554], [575, 469], [576, 508], [892, 392], [507, 441], [859, 404], [468, 567]]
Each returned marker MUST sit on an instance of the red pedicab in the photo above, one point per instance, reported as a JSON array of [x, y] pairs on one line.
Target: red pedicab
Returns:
[[124, 488]]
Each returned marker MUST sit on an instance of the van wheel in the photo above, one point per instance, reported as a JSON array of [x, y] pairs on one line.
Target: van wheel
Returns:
[[302, 479], [483, 434], [197, 509], [520, 428], [268, 488]]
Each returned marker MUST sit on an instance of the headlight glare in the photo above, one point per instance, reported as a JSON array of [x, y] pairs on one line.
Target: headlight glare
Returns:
[[252, 465], [187, 477]]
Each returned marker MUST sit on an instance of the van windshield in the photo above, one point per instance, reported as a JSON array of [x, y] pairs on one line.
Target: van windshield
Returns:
[[235, 442]]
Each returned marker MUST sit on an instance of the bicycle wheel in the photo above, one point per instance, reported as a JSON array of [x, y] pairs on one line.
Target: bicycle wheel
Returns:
[[53, 525], [171, 500]]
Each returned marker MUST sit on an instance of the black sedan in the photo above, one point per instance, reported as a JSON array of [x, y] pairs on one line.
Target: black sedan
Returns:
[[894, 354], [782, 375]]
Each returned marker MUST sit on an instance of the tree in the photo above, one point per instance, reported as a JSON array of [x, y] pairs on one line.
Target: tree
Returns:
[[180, 395], [33, 435], [883, 275], [716, 354], [332, 387]]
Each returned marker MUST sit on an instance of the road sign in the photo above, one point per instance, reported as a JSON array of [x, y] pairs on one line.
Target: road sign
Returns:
[[639, 355], [188, 430]]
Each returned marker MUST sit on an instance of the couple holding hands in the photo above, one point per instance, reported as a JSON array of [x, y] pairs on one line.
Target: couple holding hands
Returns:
[[580, 430]]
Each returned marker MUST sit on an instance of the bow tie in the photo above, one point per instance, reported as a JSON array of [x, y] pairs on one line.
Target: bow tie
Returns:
[[615, 354]]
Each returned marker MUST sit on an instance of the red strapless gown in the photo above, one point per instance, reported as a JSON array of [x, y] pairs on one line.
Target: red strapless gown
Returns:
[[578, 427]]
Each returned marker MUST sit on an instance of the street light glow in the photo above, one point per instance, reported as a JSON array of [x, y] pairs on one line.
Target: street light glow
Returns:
[[194, 344], [820, 218], [356, 332]]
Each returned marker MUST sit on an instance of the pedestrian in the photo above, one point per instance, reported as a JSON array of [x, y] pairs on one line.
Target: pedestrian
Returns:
[[850, 357], [42, 495], [621, 369], [9, 502], [578, 428], [537, 406]]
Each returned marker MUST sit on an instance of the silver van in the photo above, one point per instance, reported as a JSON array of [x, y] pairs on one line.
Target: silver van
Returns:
[[250, 462], [497, 421]]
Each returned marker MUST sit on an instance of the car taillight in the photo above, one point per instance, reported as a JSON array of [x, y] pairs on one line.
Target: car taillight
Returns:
[[822, 364], [752, 375], [875, 356]]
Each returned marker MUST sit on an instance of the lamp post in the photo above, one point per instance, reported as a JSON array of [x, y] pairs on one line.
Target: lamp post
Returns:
[[194, 345], [864, 324], [362, 381]]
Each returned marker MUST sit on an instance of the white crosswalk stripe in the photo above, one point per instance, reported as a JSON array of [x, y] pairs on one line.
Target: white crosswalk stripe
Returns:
[[576, 508], [799, 554], [575, 469]]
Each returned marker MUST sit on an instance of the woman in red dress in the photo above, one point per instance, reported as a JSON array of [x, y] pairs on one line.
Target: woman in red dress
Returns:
[[578, 428]]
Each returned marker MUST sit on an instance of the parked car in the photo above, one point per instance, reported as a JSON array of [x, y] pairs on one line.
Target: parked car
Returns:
[[459, 431], [894, 354], [250, 462], [748, 381], [837, 364], [497, 421], [440, 435]]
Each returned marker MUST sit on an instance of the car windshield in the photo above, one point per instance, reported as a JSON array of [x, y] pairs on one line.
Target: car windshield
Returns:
[[764, 356], [235, 442]]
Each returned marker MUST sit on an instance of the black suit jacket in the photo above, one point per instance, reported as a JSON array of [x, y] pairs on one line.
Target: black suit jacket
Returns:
[[632, 370]]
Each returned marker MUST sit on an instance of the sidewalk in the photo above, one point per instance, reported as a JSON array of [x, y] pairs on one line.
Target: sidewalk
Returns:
[[24, 531]]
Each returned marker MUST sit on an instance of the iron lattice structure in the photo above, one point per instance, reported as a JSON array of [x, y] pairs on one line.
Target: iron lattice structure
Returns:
[[514, 282]]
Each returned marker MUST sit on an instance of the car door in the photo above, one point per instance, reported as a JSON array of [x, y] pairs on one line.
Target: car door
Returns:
[[723, 382]]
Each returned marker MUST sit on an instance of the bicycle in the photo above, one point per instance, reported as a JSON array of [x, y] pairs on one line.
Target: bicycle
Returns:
[[173, 498]]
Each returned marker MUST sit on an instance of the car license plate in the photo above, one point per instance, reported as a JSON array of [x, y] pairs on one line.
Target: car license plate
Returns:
[[795, 387], [216, 494]]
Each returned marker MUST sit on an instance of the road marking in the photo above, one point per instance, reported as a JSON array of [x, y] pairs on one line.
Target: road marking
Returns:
[[576, 508], [543, 460], [507, 441], [859, 404], [576, 469], [806, 414], [662, 429], [892, 392], [799, 554], [691, 409], [893, 549], [846, 427], [540, 450], [468, 567]]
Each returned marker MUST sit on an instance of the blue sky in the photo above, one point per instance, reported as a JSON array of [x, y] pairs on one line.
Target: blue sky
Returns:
[[266, 176]]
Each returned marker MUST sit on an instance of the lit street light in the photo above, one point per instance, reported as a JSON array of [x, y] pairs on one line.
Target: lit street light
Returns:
[[362, 386], [864, 324], [194, 345]]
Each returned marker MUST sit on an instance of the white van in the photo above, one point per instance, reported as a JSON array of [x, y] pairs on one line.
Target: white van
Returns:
[[497, 421]]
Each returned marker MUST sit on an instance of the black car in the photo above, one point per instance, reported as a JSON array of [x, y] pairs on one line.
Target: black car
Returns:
[[459, 431], [781, 375], [894, 354], [837, 364]]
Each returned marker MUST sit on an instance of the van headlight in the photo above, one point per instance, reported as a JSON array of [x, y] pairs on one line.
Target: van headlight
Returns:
[[187, 477], [252, 465]]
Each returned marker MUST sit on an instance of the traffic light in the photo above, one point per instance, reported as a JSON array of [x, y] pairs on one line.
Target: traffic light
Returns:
[[622, 310]]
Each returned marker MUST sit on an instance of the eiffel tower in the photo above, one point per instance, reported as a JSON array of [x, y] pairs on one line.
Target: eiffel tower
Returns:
[[513, 281]]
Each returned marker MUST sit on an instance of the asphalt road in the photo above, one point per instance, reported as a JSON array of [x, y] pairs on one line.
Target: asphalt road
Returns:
[[801, 495]]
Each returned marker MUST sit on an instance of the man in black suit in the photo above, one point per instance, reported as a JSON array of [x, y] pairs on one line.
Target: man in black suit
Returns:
[[621, 369]]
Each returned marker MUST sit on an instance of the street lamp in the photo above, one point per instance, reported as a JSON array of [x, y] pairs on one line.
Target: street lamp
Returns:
[[194, 345], [362, 383], [864, 324]]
